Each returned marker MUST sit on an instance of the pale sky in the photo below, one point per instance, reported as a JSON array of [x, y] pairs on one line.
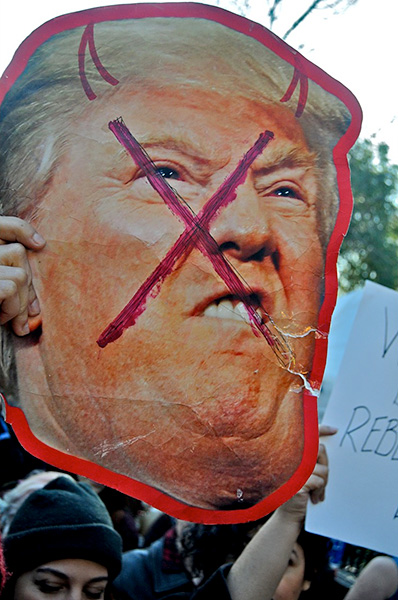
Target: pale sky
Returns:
[[358, 47]]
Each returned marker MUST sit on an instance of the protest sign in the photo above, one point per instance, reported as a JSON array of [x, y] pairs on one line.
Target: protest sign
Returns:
[[361, 505]]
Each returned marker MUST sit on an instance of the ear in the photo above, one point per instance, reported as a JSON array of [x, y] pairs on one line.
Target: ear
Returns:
[[306, 585]]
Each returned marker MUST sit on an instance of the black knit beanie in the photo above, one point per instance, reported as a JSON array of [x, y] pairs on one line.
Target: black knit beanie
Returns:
[[63, 520]]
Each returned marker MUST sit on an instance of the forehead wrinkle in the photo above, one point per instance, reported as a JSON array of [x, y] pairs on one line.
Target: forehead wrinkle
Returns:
[[283, 155], [194, 150]]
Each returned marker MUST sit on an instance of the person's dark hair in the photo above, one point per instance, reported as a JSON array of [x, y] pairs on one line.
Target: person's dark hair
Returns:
[[315, 548], [204, 548]]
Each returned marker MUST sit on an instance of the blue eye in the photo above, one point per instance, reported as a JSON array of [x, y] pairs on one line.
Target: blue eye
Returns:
[[168, 173]]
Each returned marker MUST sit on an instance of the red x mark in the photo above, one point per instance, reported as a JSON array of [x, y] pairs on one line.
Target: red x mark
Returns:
[[196, 234]]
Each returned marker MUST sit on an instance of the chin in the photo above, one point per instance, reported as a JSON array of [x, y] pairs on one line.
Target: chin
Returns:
[[234, 489]]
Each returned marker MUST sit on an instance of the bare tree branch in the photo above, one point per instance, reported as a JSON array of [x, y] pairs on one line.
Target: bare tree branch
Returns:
[[242, 7], [271, 13], [337, 2], [303, 16], [315, 4]]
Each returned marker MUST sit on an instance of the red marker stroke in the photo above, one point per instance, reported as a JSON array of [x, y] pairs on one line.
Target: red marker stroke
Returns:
[[196, 234]]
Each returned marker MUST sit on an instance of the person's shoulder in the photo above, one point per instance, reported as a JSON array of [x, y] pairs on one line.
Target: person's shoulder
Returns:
[[135, 581], [139, 555], [142, 576]]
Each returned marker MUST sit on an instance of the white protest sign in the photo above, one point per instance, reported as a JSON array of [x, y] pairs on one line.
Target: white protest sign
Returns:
[[361, 505]]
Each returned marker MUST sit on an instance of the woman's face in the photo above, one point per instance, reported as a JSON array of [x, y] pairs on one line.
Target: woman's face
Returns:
[[293, 583], [67, 579]]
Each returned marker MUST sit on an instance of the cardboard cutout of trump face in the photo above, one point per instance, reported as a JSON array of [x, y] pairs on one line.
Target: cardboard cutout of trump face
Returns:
[[188, 171]]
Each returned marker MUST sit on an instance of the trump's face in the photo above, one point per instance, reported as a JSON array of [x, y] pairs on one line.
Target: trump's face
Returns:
[[189, 400]]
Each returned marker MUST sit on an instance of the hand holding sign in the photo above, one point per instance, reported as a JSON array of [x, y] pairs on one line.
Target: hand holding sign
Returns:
[[19, 303]]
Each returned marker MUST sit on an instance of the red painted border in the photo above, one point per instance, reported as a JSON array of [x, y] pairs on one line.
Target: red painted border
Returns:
[[171, 506], [16, 417]]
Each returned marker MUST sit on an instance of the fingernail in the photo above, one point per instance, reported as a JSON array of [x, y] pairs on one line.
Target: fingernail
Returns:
[[34, 306], [25, 328], [37, 239]]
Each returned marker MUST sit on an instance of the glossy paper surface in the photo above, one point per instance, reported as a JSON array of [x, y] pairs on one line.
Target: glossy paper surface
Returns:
[[188, 171]]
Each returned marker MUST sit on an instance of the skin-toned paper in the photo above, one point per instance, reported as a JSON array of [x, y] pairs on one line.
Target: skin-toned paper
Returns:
[[188, 170], [361, 505]]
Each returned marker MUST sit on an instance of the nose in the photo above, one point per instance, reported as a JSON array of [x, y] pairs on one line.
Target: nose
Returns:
[[242, 230], [76, 592]]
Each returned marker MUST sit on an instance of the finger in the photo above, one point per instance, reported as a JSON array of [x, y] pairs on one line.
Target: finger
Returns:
[[13, 229], [14, 254], [320, 476], [322, 455], [11, 307], [327, 430], [320, 472], [317, 495], [317, 483], [14, 266], [33, 304]]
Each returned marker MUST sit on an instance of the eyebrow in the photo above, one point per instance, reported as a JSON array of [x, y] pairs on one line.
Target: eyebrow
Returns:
[[285, 155], [62, 575], [52, 572]]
